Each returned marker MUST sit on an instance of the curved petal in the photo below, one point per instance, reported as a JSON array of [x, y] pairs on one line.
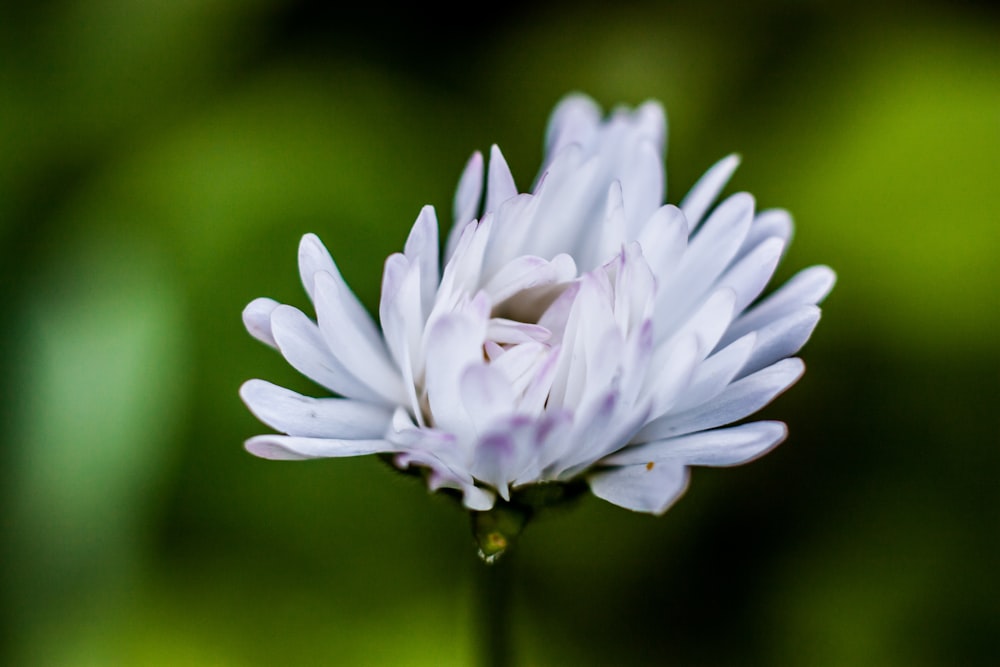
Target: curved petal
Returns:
[[257, 319], [781, 338], [807, 287], [313, 258], [303, 346], [290, 448], [298, 415], [354, 340], [707, 189]]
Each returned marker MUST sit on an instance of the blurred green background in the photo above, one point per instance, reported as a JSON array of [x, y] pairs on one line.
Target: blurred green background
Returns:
[[159, 162]]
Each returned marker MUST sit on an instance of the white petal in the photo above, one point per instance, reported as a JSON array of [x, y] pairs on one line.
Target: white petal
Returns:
[[486, 395], [422, 248], [257, 319], [611, 234], [514, 332], [313, 258], [716, 372], [664, 239], [707, 189], [781, 338], [749, 275], [298, 415], [772, 222], [352, 337], [643, 183], [711, 320], [573, 120], [469, 191], [708, 254], [807, 287], [289, 448], [303, 346], [635, 287], [500, 185], [670, 370], [641, 488], [739, 400], [528, 272], [454, 343], [721, 447]]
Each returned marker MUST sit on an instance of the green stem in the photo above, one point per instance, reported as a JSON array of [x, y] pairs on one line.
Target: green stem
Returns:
[[494, 598]]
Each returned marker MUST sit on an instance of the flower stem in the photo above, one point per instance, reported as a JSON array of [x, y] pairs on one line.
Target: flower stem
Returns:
[[494, 599]]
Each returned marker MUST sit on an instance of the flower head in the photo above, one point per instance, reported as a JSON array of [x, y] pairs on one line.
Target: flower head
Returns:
[[581, 332]]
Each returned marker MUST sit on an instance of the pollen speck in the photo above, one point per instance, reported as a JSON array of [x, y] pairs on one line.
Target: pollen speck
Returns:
[[649, 466]]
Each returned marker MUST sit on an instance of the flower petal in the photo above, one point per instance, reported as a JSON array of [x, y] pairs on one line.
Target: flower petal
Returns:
[[422, 248], [807, 287], [313, 258], [642, 488], [707, 189], [738, 400], [664, 239], [353, 338], [574, 120], [709, 252], [298, 415], [257, 319], [469, 191], [772, 222], [290, 448], [714, 374], [500, 182], [781, 338], [721, 447], [301, 343], [748, 276]]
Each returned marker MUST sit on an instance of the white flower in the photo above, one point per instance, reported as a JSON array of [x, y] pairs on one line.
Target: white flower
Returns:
[[581, 331]]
